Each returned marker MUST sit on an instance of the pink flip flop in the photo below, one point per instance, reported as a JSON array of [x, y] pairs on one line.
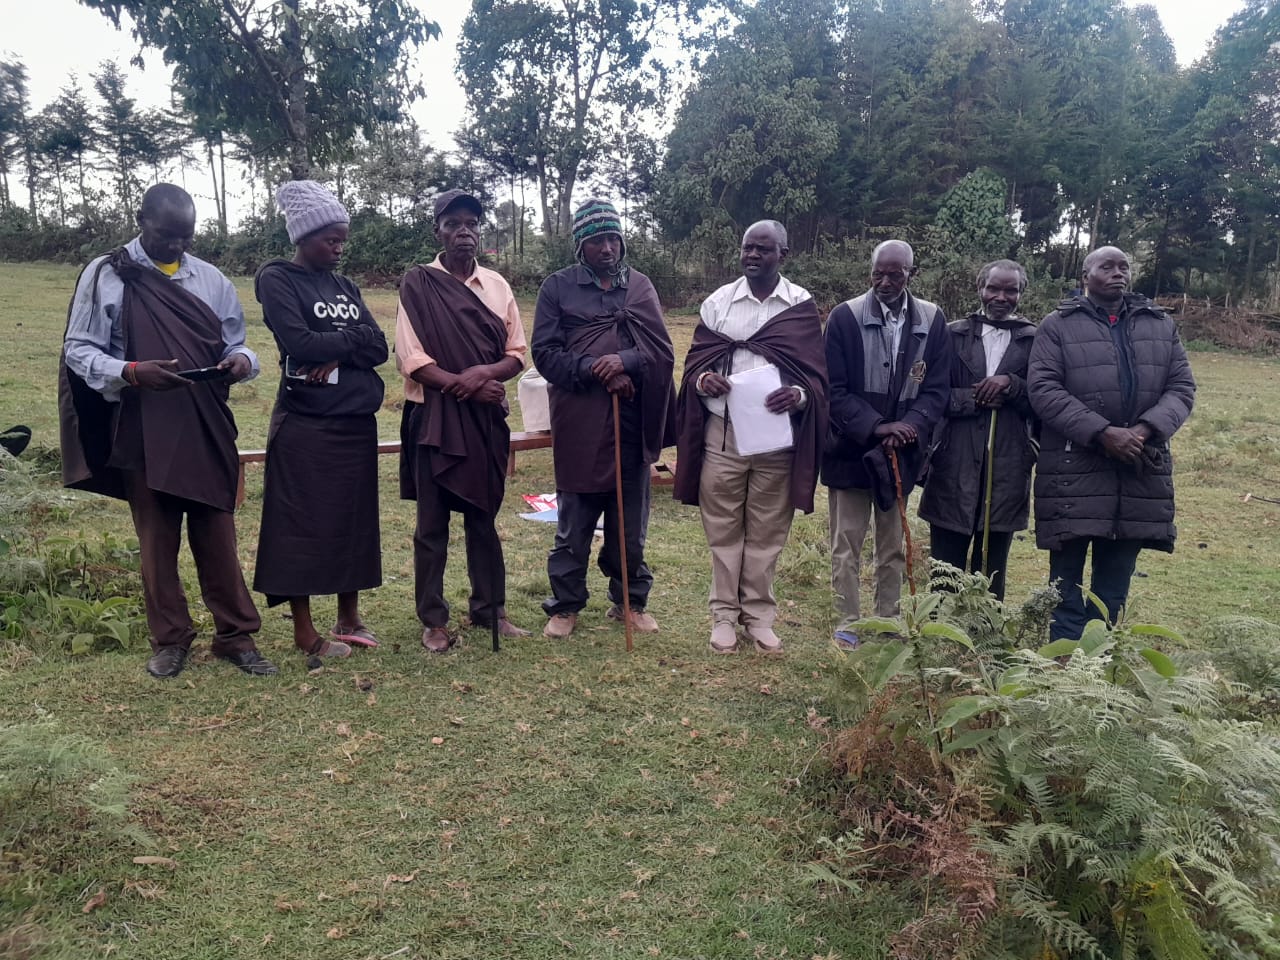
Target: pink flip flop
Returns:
[[359, 637]]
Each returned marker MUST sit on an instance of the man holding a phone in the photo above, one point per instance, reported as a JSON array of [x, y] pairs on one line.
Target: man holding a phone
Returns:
[[134, 427]]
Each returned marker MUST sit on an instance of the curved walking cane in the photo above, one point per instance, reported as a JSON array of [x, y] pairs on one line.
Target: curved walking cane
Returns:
[[906, 526], [622, 524], [986, 513]]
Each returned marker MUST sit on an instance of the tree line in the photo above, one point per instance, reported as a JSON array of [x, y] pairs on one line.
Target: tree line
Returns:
[[974, 128]]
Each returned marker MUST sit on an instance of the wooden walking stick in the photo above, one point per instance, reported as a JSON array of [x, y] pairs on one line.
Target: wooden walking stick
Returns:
[[906, 526], [496, 586], [986, 512], [622, 525]]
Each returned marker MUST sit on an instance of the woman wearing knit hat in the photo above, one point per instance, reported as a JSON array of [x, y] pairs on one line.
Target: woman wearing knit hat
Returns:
[[320, 492]]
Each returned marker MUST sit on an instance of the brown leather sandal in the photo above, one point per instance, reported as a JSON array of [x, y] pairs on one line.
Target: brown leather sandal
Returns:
[[433, 636], [323, 647]]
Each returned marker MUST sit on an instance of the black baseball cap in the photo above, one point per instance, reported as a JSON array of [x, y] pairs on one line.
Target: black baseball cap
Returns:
[[452, 198]]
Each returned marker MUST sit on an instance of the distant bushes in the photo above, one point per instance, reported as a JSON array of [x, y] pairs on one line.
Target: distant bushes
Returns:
[[380, 249], [19, 242]]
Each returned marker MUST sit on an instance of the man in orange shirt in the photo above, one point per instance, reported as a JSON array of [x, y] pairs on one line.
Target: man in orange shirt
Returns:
[[458, 339]]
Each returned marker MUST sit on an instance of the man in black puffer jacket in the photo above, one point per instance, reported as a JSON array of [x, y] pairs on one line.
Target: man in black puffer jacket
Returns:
[[1110, 382]]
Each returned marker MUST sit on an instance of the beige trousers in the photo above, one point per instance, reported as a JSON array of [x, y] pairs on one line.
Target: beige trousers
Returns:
[[851, 513], [746, 514]]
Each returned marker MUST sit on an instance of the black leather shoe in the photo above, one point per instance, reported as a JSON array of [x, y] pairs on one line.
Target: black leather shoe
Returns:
[[167, 662], [251, 662]]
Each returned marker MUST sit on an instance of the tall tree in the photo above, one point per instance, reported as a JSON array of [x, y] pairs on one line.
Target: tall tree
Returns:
[[295, 80], [547, 80], [13, 107], [64, 136], [17, 132], [127, 134], [396, 173], [753, 135]]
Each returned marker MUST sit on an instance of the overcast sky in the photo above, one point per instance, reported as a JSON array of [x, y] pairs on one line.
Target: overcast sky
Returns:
[[57, 38]]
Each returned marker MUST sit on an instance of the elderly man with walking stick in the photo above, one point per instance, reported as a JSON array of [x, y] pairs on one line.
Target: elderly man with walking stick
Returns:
[[979, 487], [600, 340], [889, 365]]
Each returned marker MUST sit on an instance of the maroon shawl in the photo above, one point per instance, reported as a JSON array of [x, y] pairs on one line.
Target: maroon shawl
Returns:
[[792, 342], [184, 440], [582, 421], [466, 441]]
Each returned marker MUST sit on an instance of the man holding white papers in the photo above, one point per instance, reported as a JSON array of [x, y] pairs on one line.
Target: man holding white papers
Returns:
[[752, 414]]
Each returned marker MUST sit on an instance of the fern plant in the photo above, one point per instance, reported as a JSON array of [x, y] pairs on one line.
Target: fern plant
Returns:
[[49, 779], [1122, 812]]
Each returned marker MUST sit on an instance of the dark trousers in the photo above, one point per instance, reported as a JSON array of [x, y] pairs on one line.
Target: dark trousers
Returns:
[[157, 519], [954, 548], [485, 566], [1113, 563], [578, 513]]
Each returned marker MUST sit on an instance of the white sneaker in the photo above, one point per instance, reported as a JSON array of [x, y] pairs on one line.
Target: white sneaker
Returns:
[[765, 640], [724, 638]]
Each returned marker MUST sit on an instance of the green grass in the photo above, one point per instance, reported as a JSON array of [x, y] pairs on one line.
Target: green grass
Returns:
[[581, 802]]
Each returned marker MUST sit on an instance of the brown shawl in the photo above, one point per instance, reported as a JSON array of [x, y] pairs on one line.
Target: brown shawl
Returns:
[[184, 440], [582, 422], [467, 442], [792, 342]]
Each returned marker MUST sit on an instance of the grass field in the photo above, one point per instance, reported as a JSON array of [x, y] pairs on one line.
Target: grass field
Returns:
[[556, 800]]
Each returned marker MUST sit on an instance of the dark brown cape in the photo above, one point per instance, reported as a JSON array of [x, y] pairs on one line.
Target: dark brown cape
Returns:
[[582, 421], [466, 441], [792, 342], [184, 440]]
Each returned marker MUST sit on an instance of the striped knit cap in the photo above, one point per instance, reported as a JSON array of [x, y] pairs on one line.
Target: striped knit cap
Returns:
[[596, 217]]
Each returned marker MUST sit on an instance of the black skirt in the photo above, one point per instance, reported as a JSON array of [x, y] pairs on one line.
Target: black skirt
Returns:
[[319, 508]]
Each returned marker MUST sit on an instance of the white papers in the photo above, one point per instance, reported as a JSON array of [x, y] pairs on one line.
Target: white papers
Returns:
[[754, 427]]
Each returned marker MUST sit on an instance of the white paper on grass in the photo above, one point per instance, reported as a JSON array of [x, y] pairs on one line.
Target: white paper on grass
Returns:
[[754, 427]]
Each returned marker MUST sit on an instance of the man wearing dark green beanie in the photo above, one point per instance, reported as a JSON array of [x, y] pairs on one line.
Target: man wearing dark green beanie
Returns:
[[598, 332]]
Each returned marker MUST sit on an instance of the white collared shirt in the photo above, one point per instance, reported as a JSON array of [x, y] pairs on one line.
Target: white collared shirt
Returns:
[[995, 341], [733, 311]]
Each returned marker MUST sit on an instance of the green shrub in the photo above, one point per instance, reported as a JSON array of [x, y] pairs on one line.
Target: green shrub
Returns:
[[61, 593], [1086, 799]]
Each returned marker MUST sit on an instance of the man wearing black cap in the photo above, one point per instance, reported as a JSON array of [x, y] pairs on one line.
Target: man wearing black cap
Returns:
[[598, 331], [458, 339]]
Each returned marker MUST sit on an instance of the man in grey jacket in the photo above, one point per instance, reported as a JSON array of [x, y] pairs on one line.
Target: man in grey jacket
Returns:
[[1110, 382], [889, 361]]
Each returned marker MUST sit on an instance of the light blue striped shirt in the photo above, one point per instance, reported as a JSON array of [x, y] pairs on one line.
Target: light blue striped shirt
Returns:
[[94, 345]]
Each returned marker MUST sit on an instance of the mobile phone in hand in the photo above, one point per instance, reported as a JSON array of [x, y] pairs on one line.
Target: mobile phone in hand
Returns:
[[298, 370], [204, 373]]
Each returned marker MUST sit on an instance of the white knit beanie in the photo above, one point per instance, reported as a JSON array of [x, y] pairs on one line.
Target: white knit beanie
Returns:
[[307, 207]]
